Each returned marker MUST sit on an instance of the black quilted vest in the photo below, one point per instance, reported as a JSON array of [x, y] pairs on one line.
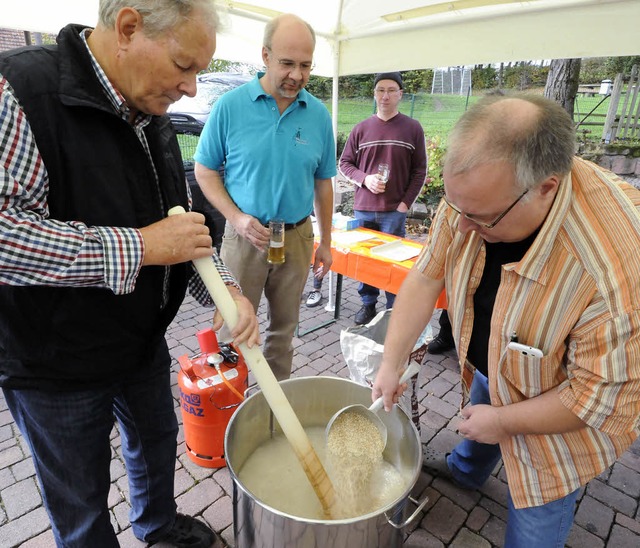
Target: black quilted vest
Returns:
[[72, 337]]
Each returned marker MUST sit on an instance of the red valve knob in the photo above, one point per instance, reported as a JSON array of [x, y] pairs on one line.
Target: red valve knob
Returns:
[[208, 341]]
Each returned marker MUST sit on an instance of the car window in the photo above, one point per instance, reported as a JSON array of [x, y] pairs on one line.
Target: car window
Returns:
[[210, 92], [209, 88]]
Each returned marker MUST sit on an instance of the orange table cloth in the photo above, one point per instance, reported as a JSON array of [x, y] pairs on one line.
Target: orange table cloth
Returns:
[[356, 261]]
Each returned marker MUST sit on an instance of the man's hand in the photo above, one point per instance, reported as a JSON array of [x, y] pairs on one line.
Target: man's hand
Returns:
[[374, 184], [176, 239], [482, 423], [387, 385], [252, 230], [247, 329], [322, 257], [402, 207], [543, 415]]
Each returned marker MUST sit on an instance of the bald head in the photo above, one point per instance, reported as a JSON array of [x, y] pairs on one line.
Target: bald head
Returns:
[[288, 24], [533, 134]]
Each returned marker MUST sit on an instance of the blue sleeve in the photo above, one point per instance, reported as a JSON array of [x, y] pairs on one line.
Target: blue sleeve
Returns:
[[211, 149]]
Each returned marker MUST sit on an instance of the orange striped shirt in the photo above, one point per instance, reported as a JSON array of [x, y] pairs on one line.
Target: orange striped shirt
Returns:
[[576, 296]]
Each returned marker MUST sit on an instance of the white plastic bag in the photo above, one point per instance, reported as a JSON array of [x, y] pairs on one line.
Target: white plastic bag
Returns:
[[362, 347]]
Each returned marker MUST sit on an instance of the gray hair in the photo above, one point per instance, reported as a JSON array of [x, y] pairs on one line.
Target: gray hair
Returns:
[[272, 26], [538, 142], [159, 16]]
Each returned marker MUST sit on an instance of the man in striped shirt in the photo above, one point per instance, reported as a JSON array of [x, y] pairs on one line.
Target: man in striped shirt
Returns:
[[91, 270], [539, 252]]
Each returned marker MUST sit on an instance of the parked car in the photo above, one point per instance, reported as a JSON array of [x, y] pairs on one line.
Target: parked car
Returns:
[[188, 116], [210, 87]]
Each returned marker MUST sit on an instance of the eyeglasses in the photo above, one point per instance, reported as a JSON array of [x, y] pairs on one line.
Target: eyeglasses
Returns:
[[480, 223], [381, 92], [290, 66]]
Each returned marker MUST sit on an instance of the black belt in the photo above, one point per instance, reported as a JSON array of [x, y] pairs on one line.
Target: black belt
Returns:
[[289, 226]]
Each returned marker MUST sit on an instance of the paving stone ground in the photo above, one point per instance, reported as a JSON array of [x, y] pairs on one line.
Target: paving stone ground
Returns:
[[608, 513]]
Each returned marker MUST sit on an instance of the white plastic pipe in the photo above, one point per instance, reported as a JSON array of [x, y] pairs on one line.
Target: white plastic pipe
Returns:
[[268, 383]]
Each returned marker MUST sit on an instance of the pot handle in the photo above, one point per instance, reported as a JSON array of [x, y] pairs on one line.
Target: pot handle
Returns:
[[420, 506], [248, 391]]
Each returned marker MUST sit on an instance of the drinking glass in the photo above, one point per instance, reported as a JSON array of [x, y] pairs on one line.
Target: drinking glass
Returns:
[[383, 172], [276, 242]]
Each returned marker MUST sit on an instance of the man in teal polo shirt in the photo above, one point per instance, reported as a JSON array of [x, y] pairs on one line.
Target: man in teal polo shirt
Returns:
[[276, 144]]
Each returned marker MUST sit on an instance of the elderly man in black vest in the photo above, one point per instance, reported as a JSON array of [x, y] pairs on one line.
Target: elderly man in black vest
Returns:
[[91, 269]]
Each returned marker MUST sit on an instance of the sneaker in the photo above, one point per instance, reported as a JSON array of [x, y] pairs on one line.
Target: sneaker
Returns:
[[314, 298], [365, 314], [440, 345], [187, 532]]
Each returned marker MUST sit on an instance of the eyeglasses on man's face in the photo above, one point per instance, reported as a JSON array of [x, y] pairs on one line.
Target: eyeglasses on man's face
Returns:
[[289, 65], [490, 225], [391, 92]]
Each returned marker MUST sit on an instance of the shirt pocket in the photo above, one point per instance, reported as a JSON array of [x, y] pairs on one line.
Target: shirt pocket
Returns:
[[531, 376]]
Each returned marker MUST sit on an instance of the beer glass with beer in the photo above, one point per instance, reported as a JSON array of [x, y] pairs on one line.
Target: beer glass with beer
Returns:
[[276, 242]]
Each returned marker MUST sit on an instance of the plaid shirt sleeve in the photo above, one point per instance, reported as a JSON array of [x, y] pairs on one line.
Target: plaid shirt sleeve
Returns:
[[199, 290], [38, 250]]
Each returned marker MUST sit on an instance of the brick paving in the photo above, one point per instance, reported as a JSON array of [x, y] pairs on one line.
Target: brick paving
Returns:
[[608, 513]]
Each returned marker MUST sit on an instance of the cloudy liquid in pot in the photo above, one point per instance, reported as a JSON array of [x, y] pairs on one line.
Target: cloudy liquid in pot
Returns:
[[273, 474]]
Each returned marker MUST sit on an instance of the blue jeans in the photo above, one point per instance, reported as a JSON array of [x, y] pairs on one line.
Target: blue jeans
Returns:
[[389, 222], [68, 434], [471, 464]]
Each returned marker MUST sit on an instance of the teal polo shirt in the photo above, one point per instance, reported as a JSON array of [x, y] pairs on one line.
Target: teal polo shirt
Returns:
[[270, 160]]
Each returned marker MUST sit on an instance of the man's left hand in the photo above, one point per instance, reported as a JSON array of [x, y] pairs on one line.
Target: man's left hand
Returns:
[[482, 423], [402, 207], [247, 328], [322, 257]]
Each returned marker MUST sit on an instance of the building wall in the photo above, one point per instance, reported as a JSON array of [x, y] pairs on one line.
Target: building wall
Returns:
[[10, 39], [621, 158]]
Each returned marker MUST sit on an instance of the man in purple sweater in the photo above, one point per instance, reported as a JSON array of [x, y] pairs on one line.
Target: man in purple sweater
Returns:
[[391, 138]]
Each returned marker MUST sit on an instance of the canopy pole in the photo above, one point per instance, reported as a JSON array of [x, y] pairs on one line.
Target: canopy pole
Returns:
[[331, 303]]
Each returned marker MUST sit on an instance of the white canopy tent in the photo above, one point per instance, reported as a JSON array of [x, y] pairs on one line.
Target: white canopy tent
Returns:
[[365, 36]]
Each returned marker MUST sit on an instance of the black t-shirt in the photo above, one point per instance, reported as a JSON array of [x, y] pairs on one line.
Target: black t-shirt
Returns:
[[497, 254]]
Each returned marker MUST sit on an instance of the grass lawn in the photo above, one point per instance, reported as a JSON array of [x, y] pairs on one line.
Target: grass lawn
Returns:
[[436, 113]]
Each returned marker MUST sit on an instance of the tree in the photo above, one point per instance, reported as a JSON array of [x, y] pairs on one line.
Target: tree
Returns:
[[562, 82]]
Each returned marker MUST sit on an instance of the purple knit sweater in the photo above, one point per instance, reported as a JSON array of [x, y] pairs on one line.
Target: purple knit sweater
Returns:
[[398, 142]]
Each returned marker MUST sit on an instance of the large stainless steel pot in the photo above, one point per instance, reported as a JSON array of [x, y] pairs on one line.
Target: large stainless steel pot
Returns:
[[315, 400]]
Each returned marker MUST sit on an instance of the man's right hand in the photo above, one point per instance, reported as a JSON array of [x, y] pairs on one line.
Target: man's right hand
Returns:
[[252, 230], [176, 239], [387, 384], [375, 184]]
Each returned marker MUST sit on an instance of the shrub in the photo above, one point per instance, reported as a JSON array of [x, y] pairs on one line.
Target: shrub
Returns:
[[434, 187], [340, 142]]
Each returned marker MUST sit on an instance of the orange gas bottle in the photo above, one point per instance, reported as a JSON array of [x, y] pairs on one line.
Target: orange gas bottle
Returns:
[[212, 385]]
